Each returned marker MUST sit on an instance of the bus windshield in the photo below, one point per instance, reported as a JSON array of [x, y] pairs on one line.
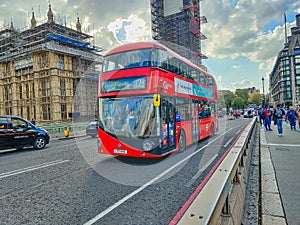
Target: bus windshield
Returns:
[[126, 60], [128, 116]]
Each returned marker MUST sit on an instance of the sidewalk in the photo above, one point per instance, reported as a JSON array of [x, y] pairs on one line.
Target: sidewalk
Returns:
[[280, 183]]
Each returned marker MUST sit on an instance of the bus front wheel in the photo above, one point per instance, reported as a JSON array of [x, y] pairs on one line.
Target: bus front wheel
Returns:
[[212, 130], [181, 141]]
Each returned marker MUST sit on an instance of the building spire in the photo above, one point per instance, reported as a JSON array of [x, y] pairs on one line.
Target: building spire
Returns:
[[78, 24], [50, 14], [11, 24], [33, 20]]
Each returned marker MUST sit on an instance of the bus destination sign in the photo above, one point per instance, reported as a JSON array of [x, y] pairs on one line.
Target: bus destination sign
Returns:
[[124, 84]]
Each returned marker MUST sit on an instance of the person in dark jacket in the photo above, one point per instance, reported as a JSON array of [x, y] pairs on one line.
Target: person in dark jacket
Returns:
[[292, 115]]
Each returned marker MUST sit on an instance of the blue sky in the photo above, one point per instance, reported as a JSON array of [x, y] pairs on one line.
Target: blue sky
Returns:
[[244, 36]]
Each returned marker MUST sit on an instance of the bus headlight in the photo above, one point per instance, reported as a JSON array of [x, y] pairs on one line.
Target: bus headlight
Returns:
[[148, 145]]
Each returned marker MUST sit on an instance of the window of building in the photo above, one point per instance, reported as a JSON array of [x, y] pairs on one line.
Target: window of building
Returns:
[[20, 91], [33, 91], [297, 59], [45, 88], [28, 112], [6, 93], [44, 60], [46, 110], [61, 63], [27, 91], [62, 87], [285, 62], [297, 50], [63, 111], [6, 71]]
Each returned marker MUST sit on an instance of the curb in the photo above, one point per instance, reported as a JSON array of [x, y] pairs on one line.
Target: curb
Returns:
[[271, 205]]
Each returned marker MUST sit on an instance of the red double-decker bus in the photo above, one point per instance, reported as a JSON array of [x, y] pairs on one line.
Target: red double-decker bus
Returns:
[[153, 102]]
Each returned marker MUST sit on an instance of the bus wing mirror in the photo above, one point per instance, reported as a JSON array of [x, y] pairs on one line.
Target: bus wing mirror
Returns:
[[156, 100]]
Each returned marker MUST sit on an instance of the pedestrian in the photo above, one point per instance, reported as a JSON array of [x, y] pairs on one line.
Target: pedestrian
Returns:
[[261, 116], [292, 115], [33, 121], [267, 121], [278, 115], [249, 113], [298, 113]]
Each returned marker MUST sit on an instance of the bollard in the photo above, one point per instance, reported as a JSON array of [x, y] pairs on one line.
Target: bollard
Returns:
[[66, 131]]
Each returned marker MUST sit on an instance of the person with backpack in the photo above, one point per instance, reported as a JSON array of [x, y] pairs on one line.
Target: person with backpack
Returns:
[[278, 114]]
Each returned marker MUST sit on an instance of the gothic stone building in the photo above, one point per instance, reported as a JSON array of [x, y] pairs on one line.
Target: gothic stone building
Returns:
[[48, 72]]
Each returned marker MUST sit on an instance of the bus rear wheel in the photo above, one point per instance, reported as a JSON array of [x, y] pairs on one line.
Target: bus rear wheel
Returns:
[[181, 141]]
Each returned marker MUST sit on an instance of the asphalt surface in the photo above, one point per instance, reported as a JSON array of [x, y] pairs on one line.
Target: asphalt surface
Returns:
[[69, 183]]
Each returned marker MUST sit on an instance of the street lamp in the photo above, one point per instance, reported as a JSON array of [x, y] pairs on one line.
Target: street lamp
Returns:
[[263, 97]]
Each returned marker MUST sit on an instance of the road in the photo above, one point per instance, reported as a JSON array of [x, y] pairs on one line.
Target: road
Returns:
[[69, 183]]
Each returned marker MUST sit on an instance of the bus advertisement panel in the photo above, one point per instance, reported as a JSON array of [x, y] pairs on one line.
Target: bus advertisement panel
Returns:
[[153, 102]]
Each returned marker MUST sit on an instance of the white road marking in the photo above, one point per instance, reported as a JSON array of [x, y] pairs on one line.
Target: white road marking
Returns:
[[227, 143], [121, 201], [31, 168], [191, 181], [283, 145]]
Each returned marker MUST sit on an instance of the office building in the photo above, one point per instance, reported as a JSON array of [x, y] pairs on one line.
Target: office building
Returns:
[[284, 85]]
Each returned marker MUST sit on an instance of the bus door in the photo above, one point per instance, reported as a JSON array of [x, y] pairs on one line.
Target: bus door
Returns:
[[168, 124], [195, 123]]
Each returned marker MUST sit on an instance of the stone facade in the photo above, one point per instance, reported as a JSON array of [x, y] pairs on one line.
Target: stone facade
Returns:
[[48, 72]]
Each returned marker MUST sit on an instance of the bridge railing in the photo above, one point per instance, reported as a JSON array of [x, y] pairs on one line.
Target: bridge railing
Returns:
[[221, 200], [58, 129]]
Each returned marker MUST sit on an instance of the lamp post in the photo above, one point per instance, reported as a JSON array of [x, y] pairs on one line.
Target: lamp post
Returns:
[[263, 97]]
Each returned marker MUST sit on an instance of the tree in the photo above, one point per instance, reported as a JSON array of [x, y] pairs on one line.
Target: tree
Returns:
[[228, 98], [238, 103], [255, 99], [243, 94], [221, 102]]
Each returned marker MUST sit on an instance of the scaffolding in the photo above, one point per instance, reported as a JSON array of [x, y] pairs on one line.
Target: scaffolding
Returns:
[[48, 72], [180, 30]]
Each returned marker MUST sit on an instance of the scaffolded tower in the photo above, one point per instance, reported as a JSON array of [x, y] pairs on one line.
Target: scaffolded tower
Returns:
[[177, 24]]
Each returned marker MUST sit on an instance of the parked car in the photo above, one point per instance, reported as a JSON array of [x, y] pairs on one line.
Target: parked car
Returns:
[[16, 132], [92, 129]]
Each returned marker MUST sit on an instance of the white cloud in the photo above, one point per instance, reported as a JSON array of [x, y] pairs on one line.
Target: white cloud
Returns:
[[129, 29], [239, 31], [242, 84], [221, 85], [236, 66]]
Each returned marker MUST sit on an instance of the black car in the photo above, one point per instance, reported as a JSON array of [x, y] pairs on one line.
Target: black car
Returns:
[[92, 129], [16, 132]]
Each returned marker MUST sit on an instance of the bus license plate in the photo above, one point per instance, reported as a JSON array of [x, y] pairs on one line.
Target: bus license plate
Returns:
[[120, 151]]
